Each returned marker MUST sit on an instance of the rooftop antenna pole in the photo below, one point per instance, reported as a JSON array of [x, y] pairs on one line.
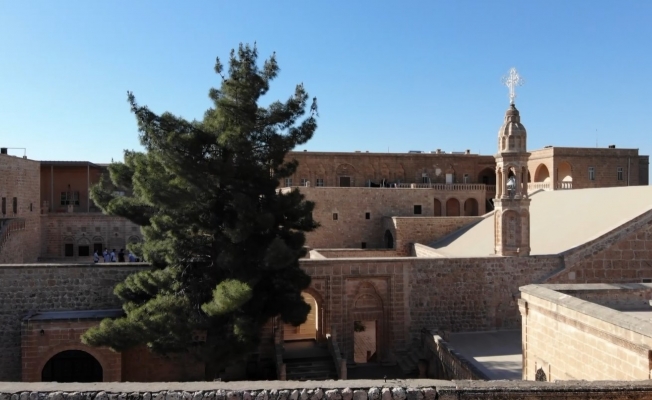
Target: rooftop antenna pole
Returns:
[[596, 138]]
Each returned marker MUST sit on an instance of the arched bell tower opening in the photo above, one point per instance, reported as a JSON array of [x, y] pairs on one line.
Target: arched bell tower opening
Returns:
[[512, 204]]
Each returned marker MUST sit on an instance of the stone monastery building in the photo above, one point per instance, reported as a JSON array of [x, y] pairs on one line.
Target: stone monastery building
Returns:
[[412, 248]]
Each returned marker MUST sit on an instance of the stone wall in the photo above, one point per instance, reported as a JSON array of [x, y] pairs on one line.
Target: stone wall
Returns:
[[350, 217], [620, 256], [394, 167], [85, 229], [417, 389], [42, 340], [566, 338], [48, 287], [406, 295], [19, 178], [409, 230], [605, 163]]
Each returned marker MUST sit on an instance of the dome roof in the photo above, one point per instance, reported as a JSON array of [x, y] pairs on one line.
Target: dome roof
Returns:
[[512, 125]]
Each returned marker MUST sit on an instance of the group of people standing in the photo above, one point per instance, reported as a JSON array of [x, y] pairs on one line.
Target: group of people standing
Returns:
[[112, 257]]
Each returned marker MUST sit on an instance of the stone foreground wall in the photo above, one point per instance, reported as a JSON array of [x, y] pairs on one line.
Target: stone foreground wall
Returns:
[[422, 389]]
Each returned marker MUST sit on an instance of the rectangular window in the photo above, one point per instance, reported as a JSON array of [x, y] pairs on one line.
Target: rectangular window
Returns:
[[345, 181], [304, 182], [591, 174], [14, 205], [466, 178], [417, 209], [69, 250], [620, 173], [69, 198], [83, 251], [320, 182], [288, 182], [425, 179], [4, 205], [367, 215], [334, 216], [363, 245]]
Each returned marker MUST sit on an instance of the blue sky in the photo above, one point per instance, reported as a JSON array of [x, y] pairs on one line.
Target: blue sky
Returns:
[[388, 75]]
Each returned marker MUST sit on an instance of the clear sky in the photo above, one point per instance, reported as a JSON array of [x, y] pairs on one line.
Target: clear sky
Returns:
[[388, 75]]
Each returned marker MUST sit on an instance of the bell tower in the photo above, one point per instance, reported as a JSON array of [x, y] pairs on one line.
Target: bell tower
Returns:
[[512, 205]]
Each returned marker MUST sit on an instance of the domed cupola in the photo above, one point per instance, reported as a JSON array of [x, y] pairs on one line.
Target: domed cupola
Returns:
[[512, 136]]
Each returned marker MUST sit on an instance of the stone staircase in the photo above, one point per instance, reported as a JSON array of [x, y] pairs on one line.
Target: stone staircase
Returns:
[[308, 360], [409, 363]]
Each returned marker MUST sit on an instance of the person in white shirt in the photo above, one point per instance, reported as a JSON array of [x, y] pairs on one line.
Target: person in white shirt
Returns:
[[132, 257], [96, 258], [113, 256], [107, 257]]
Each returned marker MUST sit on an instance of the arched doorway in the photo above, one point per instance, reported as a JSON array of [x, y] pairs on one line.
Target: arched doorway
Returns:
[[437, 208], [368, 320], [310, 328], [471, 208], [72, 366], [452, 208], [487, 176], [389, 240], [542, 174]]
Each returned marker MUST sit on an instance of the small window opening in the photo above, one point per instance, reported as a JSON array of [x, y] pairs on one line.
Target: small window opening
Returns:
[[591, 173], [417, 209], [30, 207], [69, 250], [14, 205], [363, 245], [620, 173], [367, 215], [647, 280], [334, 216]]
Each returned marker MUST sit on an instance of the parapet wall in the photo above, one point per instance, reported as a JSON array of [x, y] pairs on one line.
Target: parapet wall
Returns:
[[422, 389]]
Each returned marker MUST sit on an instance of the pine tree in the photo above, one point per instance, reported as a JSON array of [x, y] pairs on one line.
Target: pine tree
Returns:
[[223, 241]]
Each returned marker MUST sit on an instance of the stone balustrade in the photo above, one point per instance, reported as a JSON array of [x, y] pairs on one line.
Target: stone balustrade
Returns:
[[8, 226]]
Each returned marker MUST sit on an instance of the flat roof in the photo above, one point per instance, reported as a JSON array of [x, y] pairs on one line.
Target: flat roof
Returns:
[[559, 220], [73, 314], [70, 164], [496, 353]]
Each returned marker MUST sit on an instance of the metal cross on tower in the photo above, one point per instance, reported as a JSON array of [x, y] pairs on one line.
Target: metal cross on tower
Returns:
[[511, 81]]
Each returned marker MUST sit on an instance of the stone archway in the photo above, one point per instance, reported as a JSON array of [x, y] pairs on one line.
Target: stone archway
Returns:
[[564, 175], [471, 208], [541, 174], [313, 328], [437, 208], [487, 176], [389, 240], [452, 207], [72, 366]]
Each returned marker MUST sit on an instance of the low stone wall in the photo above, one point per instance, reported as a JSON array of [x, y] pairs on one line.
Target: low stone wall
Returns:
[[355, 253], [418, 389], [567, 338], [444, 362], [410, 230]]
